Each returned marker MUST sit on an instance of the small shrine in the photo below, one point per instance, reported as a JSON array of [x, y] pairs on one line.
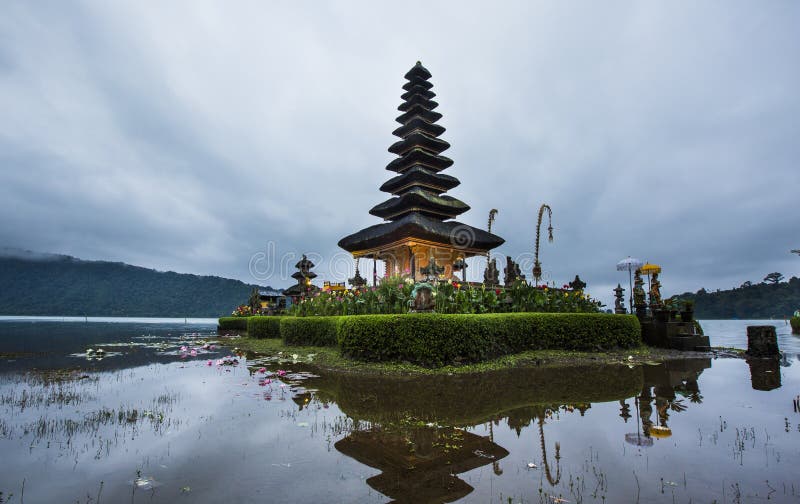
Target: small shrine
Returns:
[[304, 276], [418, 217]]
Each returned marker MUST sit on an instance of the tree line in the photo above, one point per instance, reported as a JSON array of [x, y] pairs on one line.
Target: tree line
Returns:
[[772, 298], [71, 287]]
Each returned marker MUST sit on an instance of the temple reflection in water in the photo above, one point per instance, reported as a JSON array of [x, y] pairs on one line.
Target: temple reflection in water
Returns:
[[420, 432]]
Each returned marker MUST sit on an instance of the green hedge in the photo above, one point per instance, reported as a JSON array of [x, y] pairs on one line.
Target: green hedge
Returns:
[[435, 340], [310, 331], [264, 327], [232, 324], [795, 321]]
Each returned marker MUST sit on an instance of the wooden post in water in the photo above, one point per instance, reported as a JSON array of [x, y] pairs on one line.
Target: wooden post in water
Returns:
[[762, 341]]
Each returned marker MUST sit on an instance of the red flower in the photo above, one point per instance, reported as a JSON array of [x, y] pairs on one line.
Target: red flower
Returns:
[[497, 291]]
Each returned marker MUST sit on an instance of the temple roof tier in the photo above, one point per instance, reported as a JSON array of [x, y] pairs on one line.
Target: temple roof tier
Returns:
[[419, 111], [418, 124], [418, 176], [418, 91], [420, 100], [408, 86], [417, 140], [420, 200], [298, 275], [418, 72], [419, 157], [416, 226]]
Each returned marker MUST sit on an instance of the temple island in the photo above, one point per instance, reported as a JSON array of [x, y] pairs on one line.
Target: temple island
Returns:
[[418, 219], [421, 312]]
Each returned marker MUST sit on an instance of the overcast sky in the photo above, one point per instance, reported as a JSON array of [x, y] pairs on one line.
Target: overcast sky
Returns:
[[209, 137]]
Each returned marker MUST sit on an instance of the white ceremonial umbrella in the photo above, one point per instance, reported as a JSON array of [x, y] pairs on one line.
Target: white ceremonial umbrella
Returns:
[[630, 264]]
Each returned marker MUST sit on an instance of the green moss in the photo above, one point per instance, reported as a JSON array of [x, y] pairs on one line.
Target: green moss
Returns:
[[330, 359], [264, 327], [795, 322]]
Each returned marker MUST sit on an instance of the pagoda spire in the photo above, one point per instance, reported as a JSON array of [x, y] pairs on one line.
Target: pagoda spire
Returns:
[[418, 217], [419, 185]]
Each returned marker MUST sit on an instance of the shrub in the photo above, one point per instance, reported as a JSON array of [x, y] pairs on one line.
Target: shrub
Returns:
[[437, 339], [309, 331], [264, 327], [232, 324], [795, 321], [393, 295]]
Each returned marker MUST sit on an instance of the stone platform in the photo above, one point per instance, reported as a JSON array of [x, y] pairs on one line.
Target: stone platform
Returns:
[[663, 329]]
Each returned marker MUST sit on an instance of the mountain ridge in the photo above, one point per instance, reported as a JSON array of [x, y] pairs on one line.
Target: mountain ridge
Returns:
[[33, 283]]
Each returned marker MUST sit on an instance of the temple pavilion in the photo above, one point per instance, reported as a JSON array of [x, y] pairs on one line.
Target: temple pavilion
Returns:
[[418, 217]]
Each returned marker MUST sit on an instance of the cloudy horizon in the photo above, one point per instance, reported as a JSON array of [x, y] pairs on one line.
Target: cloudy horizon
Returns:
[[199, 138]]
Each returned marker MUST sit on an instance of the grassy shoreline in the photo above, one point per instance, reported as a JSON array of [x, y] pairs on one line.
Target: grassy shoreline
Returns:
[[330, 359]]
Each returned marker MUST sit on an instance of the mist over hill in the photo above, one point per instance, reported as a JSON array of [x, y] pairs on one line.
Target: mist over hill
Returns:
[[51, 284]]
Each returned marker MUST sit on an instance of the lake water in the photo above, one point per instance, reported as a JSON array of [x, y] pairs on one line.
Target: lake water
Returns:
[[163, 417]]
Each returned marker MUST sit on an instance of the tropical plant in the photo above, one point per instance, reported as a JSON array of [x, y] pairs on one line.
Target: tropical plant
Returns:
[[395, 295]]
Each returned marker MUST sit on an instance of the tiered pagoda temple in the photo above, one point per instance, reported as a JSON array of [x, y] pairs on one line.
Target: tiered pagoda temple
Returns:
[[418, 217]]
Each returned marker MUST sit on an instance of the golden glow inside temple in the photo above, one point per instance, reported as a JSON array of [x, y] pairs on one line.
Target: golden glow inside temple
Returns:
[[419, 216]]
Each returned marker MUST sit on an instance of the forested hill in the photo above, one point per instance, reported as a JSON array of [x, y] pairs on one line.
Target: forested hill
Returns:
[[64, 285], [763, 300]]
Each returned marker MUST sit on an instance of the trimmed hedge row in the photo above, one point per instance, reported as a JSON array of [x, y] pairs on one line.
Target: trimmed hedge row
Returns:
[[435, 339], [795, 321], [310, 331], [264, 327], [232, 323]]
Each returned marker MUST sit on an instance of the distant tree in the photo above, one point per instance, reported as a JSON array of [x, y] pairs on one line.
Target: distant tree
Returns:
[[748, 283], [774, 277], [255, 301]]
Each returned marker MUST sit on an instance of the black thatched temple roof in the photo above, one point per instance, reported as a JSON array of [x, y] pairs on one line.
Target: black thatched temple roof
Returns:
[[419, 208], [418, 226]]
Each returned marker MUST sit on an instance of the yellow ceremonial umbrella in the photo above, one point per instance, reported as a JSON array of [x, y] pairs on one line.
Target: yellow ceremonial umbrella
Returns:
[[648, 269]]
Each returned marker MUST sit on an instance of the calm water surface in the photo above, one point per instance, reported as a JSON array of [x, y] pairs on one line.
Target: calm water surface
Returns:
[[152, 421]]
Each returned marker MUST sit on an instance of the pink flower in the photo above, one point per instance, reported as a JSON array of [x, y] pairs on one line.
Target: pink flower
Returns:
[[262, 370], [281, 372], [209, 363], [193, 352], [184, 348]]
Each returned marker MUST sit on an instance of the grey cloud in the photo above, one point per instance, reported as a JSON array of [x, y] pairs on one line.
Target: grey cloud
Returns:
[[187, 136]]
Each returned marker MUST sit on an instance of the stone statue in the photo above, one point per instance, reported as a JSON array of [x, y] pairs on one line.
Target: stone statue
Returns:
[[655, 291], [577, 284], [422, 298], [619, 301], [639, 300], [491, 277], [512, 272], [432, 270]]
